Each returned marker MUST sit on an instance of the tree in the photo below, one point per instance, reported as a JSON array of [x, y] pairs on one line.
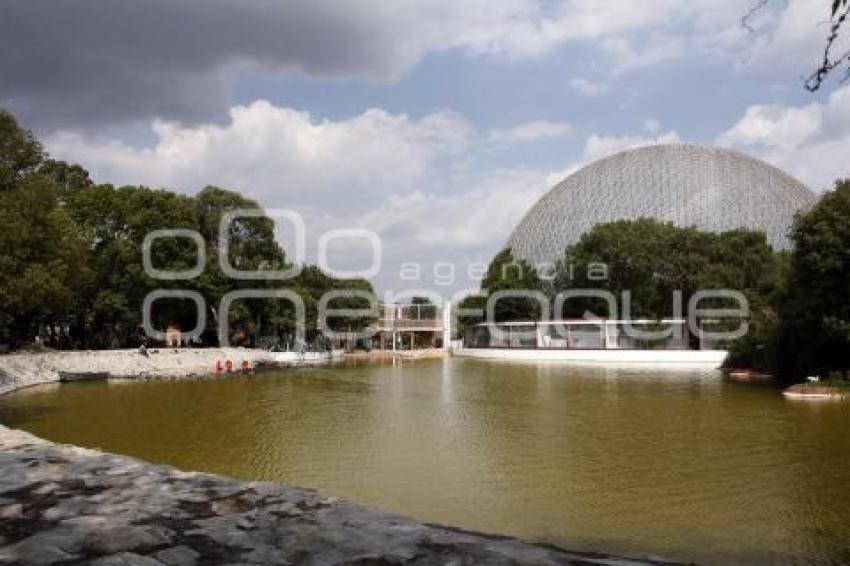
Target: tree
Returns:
[[312, 283], [251, 247], [815, 318], [66, 176], [20, 151], [653, 260], [505, 273], [251, 243], [636, 255], [44, 261], [72, 249], [115, 223]]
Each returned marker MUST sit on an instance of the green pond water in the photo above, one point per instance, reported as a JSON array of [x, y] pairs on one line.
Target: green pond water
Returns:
[[685, 466]]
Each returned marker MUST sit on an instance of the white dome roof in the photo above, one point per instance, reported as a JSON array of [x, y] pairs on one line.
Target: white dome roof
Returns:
[[689, 185]]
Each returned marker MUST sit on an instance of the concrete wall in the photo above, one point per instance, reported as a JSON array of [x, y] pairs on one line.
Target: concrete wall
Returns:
[[25, 369]]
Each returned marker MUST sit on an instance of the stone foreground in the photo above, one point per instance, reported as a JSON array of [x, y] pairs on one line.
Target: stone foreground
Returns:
[[63, 504]]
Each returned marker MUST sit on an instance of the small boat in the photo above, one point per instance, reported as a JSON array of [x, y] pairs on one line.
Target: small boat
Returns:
[[70, 376], [307, 357], [806, 392]]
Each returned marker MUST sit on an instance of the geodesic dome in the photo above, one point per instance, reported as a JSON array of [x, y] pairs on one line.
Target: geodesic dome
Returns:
[[710, 188]]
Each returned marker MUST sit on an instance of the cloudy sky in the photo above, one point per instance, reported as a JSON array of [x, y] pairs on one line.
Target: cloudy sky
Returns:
[[434, 123]]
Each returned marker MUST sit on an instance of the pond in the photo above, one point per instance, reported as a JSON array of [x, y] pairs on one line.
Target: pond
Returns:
[[685, 466]]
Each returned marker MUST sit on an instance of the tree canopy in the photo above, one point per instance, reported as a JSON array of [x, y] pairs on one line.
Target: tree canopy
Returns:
[[20, 151], [652, 260], [71, 255], [814, 335]]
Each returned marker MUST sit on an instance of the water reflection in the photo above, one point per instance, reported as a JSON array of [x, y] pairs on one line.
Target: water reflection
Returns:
[[687, 466]]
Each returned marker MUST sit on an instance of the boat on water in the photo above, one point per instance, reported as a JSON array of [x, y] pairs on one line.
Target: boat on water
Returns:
[[814, 392], [661, 344], [305, 357]]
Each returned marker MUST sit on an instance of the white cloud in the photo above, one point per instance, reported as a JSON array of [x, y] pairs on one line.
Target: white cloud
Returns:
[[283, 155], [529, 131], [401, 177], [777, 127], [635, 34], [638, 35], [808, 141], [461, 228], [632, 34], [472, 219], [651, 125], [588, 88], [654, 51], [518, 28], [598, 146]]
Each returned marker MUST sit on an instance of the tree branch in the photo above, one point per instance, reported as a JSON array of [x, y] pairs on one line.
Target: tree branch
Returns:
[[745, 20], [828, 64]]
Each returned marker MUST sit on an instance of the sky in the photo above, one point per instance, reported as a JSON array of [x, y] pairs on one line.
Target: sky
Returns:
[[433, 124]]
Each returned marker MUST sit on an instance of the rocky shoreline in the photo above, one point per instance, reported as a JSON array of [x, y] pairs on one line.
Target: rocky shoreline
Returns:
[[25, 369], [63, 504]]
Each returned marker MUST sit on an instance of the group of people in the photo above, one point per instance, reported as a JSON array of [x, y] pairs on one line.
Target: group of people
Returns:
[[227, 366]]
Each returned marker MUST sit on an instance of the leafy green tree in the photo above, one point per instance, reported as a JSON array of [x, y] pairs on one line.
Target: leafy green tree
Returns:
[[474, 303], [66, 176], [634, 255], [251, 242], [312, 283], [44, 261], [815, 328], [115, 223], [506, 273], [251, 247], [72, 249], [653, 259], [20, 151]]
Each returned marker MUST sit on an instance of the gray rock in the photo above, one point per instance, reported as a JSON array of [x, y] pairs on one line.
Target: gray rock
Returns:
[[127, 559], [286, 509], [34, 550], [265, 554], [124, 538], [14, 511], [67, 508], [178, 556]]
